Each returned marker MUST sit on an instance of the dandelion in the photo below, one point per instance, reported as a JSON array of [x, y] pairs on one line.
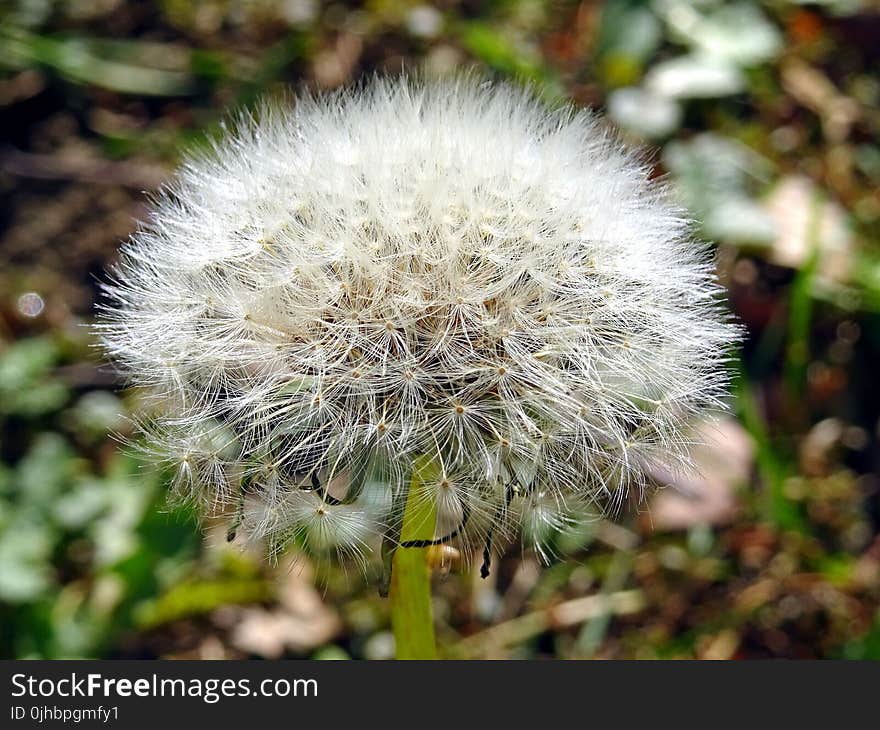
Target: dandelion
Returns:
[[438, 299]]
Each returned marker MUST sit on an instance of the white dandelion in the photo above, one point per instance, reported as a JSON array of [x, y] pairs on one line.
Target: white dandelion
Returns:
[[346, 284]]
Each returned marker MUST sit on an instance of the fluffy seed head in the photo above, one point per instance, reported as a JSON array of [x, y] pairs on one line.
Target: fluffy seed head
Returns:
[[345, 284]]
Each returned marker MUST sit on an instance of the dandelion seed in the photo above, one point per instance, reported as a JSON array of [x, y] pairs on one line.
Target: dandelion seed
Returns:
[[355, 281]]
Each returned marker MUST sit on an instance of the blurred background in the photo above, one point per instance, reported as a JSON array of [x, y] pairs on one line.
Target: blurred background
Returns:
[[764, 114]]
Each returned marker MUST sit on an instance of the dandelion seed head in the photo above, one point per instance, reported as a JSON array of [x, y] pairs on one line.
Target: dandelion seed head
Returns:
[[346, 283]]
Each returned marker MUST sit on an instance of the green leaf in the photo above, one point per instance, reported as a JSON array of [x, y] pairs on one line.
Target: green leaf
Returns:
[[25, 386], [25, 549], [629, 34], [499, 52], [45, 471], [714, 177], [720, 33], [198, 597], [118, 66]]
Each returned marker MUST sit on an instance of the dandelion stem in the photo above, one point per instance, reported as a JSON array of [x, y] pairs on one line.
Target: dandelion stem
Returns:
[[410, 594]]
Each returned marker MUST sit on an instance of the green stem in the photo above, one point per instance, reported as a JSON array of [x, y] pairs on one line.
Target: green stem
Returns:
[[410, 594]]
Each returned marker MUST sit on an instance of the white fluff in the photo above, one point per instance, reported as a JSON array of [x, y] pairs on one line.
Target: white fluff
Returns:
[[449, 269]]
